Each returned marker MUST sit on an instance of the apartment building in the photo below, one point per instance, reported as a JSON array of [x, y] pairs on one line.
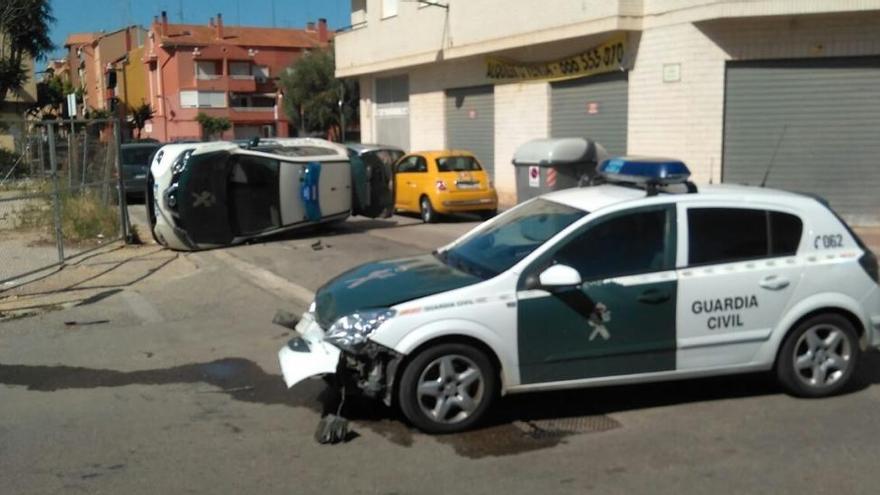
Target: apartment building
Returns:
[[98, 66], [733, 87], [223, 71]]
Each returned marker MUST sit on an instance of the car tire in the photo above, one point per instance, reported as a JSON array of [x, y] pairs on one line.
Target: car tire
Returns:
[[427, 211], [819, 356], [447, 388]]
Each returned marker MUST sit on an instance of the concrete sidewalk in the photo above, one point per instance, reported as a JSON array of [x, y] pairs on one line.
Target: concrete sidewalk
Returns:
[[95, 276]]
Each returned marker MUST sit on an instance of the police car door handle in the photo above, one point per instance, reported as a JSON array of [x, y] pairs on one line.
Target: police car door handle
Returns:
[[774, 282], [653, 296]]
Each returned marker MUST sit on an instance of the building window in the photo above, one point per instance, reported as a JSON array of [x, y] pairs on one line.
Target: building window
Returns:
[[203, 99], [261, 73], [255, 102], [240, 70], [389, 8], [358, 12], [207, 70]]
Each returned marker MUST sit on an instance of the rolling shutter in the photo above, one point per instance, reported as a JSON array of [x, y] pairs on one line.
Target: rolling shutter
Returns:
[[823, 115], [470, 123], [594, 107]]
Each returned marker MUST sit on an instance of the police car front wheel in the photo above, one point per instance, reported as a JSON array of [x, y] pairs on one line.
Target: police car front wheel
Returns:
[[819, 356], [447, 388]]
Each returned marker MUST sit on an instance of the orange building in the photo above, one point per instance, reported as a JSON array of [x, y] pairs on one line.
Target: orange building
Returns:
[[223, 71]]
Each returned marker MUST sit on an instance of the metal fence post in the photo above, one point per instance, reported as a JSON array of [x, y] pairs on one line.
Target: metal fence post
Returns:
[[56, 193], [120, 182]]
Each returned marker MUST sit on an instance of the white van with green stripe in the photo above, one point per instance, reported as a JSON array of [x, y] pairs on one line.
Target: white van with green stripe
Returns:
[[640, 279]]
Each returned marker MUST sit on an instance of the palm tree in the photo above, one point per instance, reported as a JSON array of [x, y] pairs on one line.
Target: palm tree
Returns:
[[139, 116]]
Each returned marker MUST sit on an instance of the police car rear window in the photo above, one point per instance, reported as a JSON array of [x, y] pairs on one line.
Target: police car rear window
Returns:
[[724, 235]]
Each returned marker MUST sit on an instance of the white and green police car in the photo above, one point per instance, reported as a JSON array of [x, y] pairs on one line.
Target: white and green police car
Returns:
[[643, 278]]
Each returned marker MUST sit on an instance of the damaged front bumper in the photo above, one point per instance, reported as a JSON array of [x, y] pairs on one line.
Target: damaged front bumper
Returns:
[[307, 355], [370, 372]]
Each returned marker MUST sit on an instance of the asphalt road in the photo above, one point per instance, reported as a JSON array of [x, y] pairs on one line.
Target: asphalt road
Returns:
[[171, 385]]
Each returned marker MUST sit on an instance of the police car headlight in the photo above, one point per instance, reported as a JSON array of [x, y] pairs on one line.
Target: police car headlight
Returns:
[[350, 332]]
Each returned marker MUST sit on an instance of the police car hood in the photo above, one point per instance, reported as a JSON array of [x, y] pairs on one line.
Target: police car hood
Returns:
[[385, 283]]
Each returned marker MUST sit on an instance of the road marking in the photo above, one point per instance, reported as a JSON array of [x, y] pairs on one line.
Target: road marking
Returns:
[[141, 307], [267, 280]]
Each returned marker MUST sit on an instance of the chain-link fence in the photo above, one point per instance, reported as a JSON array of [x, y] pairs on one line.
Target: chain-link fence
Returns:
[[61, 192]]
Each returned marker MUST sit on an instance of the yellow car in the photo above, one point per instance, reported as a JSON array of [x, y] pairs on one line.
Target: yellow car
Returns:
[[433, 183]]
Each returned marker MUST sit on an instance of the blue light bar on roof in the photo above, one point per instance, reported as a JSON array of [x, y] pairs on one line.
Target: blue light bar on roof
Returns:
[[644, 170]]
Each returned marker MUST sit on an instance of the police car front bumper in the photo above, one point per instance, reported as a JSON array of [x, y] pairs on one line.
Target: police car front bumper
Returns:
[[307, 355]]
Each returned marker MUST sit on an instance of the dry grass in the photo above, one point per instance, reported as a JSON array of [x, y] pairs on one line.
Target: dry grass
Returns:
[[85, 216]]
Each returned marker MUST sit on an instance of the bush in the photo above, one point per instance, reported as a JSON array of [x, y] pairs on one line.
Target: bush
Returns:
[[9, 159], [85, 216]]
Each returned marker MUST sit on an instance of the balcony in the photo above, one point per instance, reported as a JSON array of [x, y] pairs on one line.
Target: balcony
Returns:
[[252, 114], [242, 83]]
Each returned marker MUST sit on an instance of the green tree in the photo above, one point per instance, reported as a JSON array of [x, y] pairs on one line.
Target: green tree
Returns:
[[213, 127], [312, 94], [139, 116], [24, 31], [51, 95]]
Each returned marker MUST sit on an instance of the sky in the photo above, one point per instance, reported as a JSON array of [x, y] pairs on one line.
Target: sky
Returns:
[[73, 16]]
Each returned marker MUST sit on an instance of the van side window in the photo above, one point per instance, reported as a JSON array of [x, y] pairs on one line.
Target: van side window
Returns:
[[631, 243], [725, 235]]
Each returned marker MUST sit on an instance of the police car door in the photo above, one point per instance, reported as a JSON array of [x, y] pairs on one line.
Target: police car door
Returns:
[[621, 320], [738, 272]]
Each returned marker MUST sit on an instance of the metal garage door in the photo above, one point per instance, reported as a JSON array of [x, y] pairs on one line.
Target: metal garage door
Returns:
[[470, 123], [594, 107], [392, 111], [823, 115]]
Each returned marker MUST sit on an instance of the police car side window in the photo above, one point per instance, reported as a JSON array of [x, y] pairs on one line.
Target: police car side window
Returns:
[[785, 233], [725, 235], [623, 245]]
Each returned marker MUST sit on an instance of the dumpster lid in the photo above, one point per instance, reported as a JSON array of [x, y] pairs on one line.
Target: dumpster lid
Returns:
[[551, 151]]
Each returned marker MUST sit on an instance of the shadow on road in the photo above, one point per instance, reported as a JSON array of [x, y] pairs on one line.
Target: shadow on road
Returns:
[[509, 430]]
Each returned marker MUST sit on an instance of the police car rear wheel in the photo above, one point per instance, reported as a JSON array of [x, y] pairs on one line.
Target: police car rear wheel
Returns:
[[447, 388], [819, 356]]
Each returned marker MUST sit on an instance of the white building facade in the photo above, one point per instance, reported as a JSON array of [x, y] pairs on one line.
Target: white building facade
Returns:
[[732, 87]]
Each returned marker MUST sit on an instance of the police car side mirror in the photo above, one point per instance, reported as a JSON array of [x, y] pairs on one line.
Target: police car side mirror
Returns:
[[559, 277]]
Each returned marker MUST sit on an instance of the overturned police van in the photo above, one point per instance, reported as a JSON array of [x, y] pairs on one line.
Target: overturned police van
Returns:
[[206, 195]]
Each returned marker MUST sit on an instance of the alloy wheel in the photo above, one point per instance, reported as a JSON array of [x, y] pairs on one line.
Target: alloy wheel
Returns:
[[450, 389], [822, 356]]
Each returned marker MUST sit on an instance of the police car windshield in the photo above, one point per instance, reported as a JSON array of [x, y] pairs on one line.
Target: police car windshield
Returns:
[[510, 238]]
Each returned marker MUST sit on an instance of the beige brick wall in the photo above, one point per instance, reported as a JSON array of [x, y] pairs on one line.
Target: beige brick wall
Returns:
[[680, 119], [521, 114], [427, 120], [366, 109]]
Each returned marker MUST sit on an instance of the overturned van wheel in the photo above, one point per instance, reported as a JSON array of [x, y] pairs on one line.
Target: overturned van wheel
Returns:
[[447, 388], [819, 356]]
